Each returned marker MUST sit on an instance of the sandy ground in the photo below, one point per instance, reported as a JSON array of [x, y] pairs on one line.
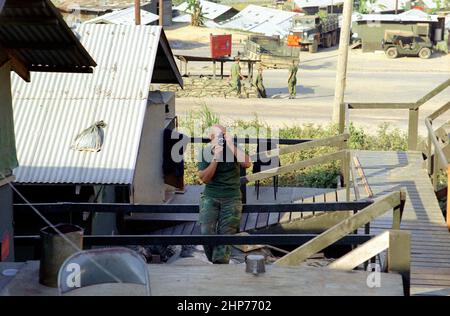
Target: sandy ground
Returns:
[[371, 78]]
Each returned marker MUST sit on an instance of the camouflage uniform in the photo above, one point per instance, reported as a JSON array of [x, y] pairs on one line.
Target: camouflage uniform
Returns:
[[219, 216], [236, 84], [220, 205], [292, 81]]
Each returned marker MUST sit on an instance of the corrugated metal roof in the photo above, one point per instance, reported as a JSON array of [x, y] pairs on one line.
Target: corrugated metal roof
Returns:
[[51, 110], [210, 9], [262, 20], [317, 3], [404, 17], [36, 34], [124, 17]]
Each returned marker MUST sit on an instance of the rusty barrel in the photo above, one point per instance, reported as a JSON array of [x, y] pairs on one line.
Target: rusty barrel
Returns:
[[56, 249]]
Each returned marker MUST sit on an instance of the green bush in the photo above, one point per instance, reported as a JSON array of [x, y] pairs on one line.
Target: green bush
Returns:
[[319, 176]]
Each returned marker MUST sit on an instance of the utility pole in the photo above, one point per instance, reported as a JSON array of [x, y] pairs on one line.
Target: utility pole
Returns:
[[341, 72], [137, 12], [396, 6], [161, 12]]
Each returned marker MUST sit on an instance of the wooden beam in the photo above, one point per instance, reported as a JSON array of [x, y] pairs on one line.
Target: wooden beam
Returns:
[[329, 141], [363, 177], [394, 106], [292, 167], [399, 256], [28, 21], [433, 93], [448, 198], [362, 254], [340, 230], [413, 129], [39, 45], [19, 67], [439, 111], [354, 180]]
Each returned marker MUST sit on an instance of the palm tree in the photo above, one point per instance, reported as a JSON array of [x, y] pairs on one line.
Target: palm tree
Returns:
[[195, 8]]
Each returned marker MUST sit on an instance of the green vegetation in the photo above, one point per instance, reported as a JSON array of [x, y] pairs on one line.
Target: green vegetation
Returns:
[[197, 17], [320, 176]]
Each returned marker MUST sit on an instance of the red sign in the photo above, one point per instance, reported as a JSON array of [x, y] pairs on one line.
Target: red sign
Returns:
[[293, 40], [6, 239], [220, 45]]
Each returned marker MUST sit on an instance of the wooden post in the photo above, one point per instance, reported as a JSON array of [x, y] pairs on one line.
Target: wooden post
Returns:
[[413, 128], [399, 256], [396, 6], [435, 170], [340, 230], [429, 154], [347, 174], [448, 197], [214, 69], [161, 12], [341, 73], [137, 12], [221, 69]]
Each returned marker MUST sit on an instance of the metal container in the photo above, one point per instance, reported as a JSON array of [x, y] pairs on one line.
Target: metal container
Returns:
[[255, 264], [56, 249]]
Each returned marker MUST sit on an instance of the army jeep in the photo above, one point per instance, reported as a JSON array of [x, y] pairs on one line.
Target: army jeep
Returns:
[[401, 43]]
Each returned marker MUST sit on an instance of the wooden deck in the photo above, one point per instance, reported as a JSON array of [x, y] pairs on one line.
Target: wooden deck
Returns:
[[430, 253]]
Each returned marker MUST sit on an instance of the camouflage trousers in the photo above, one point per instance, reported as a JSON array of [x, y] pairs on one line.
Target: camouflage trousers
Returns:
[[236, 86], [219, 216], [292, 88]]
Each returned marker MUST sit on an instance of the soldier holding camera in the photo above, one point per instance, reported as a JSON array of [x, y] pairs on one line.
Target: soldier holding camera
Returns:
[[221, 204]]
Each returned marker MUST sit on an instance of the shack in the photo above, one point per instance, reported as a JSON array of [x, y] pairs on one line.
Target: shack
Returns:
[[212, 12], [370, 28], [55, 108], [33, 37]]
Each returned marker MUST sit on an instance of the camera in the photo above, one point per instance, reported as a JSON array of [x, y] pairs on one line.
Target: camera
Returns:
[[221, 140]]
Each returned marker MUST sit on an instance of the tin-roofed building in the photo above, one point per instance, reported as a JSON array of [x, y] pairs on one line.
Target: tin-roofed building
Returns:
[[33, 37], [55, 108]]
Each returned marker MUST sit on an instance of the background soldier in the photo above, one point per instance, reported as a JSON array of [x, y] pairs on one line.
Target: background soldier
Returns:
[[292, 79], [236, 78], [259, 84]]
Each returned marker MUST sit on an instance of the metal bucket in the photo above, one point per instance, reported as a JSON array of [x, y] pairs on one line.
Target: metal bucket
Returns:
[[55, 249]]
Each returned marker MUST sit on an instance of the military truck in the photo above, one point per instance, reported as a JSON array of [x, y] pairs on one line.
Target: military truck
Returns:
[[315, 30], [402, 43]]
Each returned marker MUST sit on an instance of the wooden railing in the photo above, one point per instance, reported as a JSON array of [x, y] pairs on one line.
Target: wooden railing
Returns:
[[398, 259], [413, 109], [343, 155], [436, 157]]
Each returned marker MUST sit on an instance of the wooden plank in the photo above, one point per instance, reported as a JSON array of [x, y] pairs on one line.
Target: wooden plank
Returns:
[[340, 230], [329, 141], [292, 167], [362, 253], [399, 256], [366, 106], [413, 128]]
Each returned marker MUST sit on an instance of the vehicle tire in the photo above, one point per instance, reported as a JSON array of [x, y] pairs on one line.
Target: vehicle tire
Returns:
[[313, 47], [425, 53], [392, 52], [334, 38]]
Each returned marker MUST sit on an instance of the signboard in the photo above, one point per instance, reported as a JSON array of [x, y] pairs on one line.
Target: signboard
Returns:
[[293, 40], [220, 45]]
